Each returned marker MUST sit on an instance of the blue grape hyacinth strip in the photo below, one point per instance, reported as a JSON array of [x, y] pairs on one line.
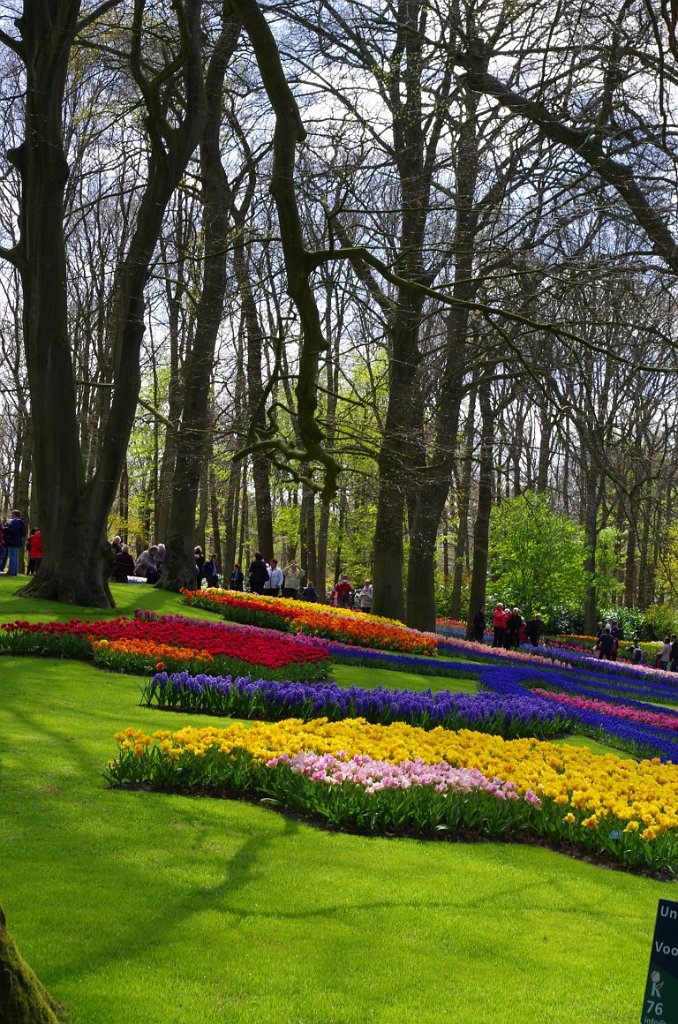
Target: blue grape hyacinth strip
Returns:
[[510, 715]]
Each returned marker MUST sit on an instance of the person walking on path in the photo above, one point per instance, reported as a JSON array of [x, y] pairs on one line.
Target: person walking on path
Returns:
[[15, 531]]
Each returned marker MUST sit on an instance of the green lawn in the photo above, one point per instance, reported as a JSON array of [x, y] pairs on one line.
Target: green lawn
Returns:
[[174, 910], [128, 597], [354, 675]]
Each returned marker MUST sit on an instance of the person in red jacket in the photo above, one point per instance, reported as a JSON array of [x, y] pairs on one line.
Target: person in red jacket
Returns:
[[34, 549], [499, 621], [344, 590]]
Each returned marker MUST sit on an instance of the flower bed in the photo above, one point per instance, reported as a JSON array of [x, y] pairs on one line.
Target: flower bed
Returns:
[[511, 716], [141, 644], [663, 720], [345, 625], [624, 810], [640, 739]]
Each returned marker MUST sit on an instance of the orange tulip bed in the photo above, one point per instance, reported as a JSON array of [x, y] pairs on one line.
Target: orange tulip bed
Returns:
[[340, 624]]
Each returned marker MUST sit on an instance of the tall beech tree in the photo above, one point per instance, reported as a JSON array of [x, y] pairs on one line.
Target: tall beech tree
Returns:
[[191, 433], [73, 506]]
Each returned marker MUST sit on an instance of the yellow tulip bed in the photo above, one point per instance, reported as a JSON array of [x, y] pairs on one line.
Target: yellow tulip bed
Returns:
[[621, 809]]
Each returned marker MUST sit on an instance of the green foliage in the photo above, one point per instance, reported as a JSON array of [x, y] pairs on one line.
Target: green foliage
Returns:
[[609, 566], [536, 556], [633, 621], [443, 592], [660, 621]]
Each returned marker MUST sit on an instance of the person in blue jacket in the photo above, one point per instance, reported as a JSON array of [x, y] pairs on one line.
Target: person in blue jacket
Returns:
[[15, 531]]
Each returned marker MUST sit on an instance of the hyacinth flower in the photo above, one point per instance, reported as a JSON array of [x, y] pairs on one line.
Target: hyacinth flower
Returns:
[[516, 714]]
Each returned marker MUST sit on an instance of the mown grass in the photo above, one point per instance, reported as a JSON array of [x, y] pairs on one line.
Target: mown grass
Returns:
[[355, 675], [139, 906], [128, 598], [136, 906]]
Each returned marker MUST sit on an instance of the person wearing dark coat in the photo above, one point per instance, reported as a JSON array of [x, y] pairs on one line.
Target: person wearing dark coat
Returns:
[[211, 571], [513, 628], [258, 574], [123, 566], [199, 563], [533, 628], [15, 531], [237, 578], [478, 631], [309, 593]]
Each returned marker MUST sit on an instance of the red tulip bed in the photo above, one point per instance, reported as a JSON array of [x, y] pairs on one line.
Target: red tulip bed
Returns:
[[341, 624], [173, 643]]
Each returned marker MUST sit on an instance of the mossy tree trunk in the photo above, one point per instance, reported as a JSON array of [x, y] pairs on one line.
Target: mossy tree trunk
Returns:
[[23, 1000]]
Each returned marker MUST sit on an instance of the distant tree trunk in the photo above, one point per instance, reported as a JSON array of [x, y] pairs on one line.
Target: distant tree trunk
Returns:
[[123, 503], [307, 534], [232, 518], [463, 505], [592, 488], [23, 1000], [481, 527], [214, 511], [243, 547], [630, 577], [323, 537], [546, 426]]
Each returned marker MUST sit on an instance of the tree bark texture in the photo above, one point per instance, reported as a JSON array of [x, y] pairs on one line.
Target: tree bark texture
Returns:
[[74, 509]]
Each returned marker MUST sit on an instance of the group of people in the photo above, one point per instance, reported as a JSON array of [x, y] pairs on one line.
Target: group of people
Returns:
[[207, 569], [263, 577], [510, 629], [148, 565], [275, 580], [609, 636], [344, 595], [12, 536]]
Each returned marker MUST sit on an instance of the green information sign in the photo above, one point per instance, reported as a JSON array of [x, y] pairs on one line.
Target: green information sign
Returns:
[[660, 1005]]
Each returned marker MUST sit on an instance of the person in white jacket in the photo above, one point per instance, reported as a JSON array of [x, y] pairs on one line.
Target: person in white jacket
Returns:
[[275, 579], [293, 576]]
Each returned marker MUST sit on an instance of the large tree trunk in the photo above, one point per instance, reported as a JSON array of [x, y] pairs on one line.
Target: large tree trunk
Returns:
[[23, 1000], [433, 479], [191, 439], [74, 510], [395, 465]]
